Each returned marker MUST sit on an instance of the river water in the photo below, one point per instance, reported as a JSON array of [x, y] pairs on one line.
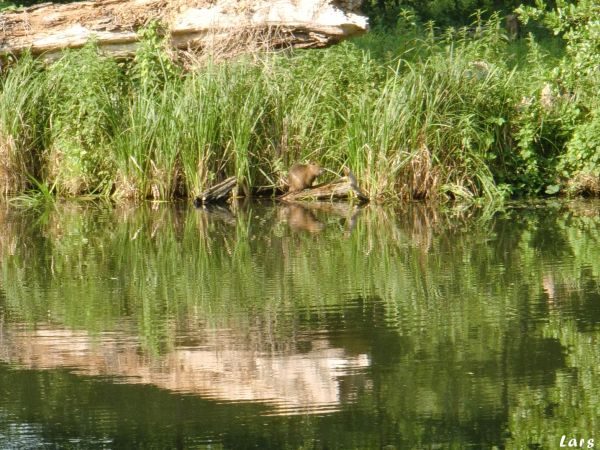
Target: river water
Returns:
[[331, 326]]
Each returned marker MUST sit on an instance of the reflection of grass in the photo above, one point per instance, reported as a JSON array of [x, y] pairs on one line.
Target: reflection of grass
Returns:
[[159, 265], [428, 285], [88, 267], [167, 261]]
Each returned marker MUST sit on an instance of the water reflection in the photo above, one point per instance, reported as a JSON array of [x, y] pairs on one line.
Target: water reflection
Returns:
[[216, 364], [300, 325], [312, 217], [300, 218]]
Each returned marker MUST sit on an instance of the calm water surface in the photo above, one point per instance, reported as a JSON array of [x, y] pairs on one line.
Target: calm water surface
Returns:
[[299, 327]]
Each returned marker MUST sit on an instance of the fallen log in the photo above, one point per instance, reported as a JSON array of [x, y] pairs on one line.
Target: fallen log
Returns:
[[190, 24], [218, 193], [344, 188]]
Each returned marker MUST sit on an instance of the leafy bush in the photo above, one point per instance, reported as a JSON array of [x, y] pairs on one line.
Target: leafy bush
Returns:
[[574, 86], [84, 95]]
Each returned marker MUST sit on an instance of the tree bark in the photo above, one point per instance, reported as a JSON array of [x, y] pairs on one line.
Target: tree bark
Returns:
[[190, 24]]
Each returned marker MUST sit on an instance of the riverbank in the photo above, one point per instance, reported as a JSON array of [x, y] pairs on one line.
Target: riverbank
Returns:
[[415, 114]]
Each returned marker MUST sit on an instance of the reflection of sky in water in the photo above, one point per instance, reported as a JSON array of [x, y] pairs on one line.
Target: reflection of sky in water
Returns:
[[30, 436], [222, 368], [21, 435]]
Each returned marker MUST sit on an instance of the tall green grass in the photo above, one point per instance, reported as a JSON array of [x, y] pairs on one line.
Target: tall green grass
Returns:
[[429, 116], [22, 124]]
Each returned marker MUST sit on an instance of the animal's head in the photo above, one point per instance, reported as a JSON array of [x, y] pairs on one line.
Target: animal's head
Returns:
[[315, 169]]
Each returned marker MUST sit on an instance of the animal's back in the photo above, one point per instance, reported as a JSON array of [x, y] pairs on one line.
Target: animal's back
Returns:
[[302, 176]]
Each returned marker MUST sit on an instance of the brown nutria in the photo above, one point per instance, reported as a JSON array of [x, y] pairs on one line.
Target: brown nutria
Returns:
[[302, 176], [350, 177], [512, 26]]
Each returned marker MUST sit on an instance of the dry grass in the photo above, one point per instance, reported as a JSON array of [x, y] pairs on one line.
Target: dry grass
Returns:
[[421, 178], [220, 45], [13, 173], [584, 184], [126, 188]]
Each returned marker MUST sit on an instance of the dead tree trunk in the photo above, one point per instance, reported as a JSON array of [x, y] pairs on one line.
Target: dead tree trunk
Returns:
[[191, 24]]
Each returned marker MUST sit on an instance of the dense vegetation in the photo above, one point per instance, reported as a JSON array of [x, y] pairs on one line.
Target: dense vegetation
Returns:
[[415, 111], [442, 12]]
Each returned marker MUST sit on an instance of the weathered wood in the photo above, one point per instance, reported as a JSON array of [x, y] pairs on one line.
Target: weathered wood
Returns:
[[191, 24], [344, 188], [217, 193]]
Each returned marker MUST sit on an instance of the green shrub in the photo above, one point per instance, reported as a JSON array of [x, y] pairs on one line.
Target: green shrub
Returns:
[[84, 91]]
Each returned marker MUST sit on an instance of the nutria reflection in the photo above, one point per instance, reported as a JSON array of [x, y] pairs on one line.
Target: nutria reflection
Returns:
[[300, 218]]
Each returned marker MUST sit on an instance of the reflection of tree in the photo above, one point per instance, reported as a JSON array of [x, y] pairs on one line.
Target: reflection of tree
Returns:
[[541, 414], [139, 416], [222, 365]]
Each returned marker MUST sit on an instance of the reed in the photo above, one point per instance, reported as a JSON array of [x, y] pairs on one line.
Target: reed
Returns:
[[434, 118], [22, 121]]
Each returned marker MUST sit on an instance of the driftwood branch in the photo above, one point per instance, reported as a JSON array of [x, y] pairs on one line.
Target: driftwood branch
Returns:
[[217, 193], [191, 24], [345, 188]]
